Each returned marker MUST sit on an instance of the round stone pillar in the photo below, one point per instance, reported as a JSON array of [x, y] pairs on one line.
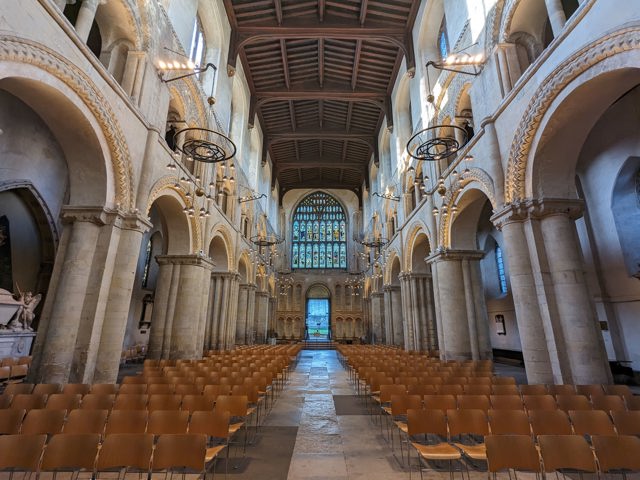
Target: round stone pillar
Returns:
[[119, 299], [86, 16]]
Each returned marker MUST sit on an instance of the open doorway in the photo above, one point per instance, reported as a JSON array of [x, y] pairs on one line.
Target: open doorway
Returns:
[[318, 314]]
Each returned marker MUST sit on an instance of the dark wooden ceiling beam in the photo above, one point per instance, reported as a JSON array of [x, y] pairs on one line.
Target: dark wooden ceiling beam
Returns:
[[292, 114], [344, 94], [321, 112], [320, 135], [356, 63], [285, 63], [321, 61], [349, 114], [321, 6], [363, 11], [278, 6]]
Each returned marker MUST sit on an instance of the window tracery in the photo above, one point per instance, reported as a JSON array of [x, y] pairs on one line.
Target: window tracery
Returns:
[[319, 233]]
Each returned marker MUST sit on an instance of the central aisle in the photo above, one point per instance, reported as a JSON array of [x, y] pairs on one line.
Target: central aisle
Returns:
[[330, 444]]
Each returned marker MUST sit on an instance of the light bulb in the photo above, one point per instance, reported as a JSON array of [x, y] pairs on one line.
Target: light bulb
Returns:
[[162, 65]]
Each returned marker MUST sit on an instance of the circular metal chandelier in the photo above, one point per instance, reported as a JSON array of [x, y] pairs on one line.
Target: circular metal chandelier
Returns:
[[266, 240], [204, 145], [432, 145]]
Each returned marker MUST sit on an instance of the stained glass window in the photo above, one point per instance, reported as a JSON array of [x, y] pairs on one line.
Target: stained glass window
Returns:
[[501, 276], [319, 233]]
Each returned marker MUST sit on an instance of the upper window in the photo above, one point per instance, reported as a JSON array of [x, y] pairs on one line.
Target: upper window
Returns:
[[502, 279], [443, 44], [197, 44], [319, 233]]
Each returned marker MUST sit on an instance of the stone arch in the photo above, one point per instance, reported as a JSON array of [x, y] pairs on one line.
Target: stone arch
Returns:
[[418, 238], [167, 185], [244, 268], [393, 268], [25, 60], [224, 243], [463, 226], [476, 178], [598, 71], [176, 226]]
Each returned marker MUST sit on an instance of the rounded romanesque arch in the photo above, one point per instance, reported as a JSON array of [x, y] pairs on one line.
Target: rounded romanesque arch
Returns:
[[612, 55], [28, 65]]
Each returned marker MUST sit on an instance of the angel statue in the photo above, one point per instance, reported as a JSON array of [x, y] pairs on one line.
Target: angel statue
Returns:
[[23, 318]]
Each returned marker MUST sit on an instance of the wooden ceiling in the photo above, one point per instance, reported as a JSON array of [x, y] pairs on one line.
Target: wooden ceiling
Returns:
[[321, 74]]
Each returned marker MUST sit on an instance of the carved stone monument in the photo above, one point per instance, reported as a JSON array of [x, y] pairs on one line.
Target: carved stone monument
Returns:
[[16, 317]]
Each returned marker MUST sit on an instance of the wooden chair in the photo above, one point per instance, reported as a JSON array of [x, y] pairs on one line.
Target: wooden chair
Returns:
[[215, 425], [400, 404], [167, 421], [573, 402], [127, 421], [549, 422], [474, 402], [506, 402], [164, 402], [590, 391], [566, 452], [511, 452], [47, 388], [11, 420], [161, 389], [503, 381], [509, 422], [450, 389], [622, 390], [535, 389], [473, 389], [428, 423], [97, 401], [180, 453], [40, 421], [18, 388], [73, 452], [591, 422], [627, 423], [132, 388], [633, 402], [63, 401], [5, 400], [620, 453], [608, 403], [561, 389], [133, 380], [469, 422], [86, 421], [21, 453], [76, 388], [105, 388], [193, 403], [505, 390], [28, 401], [539, 402], [125, 451], [131, 401], [18, 373], [187, 389]]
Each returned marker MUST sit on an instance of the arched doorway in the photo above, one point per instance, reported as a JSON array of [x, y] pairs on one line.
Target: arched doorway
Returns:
[[318, 314]]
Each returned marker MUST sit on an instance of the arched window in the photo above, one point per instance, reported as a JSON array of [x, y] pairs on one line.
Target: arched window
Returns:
[[502, 279], [319, 233], [197, 43], [443, 43]]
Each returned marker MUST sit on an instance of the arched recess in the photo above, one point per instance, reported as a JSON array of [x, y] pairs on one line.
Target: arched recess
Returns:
[[488, 307], [600, 72], [168, 235], [394, 325], [62, 95]]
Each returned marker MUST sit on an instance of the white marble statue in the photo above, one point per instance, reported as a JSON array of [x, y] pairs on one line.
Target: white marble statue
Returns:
[[23, 318]]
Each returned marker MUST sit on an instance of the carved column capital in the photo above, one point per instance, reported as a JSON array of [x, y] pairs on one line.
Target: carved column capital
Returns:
[[522, 210], [197, 260], [443, 255]]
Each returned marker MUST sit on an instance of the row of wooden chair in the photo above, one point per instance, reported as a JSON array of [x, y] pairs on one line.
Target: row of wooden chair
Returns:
[[454, 428], [510, 402], [181, 453], [104, 422]]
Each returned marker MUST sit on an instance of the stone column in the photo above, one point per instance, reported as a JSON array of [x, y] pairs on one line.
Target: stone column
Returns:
[[525, 298], [508, 66], [160, 307], [188, 308], [377, 318], [261, 318], [118, 303], [397, 316], [581, 331], [388, 317], [134, 73], [463, 324], [55, 344], [557, 16], [224, 302], [86, 16], [233, 311], [408, 321]]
